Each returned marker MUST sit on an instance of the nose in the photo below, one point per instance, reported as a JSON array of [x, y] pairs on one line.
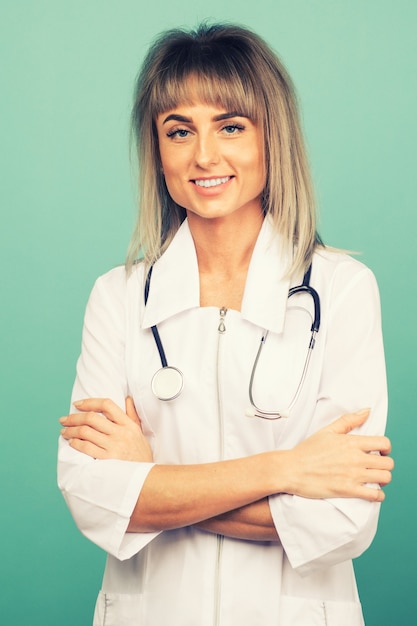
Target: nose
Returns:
[[206, 151]]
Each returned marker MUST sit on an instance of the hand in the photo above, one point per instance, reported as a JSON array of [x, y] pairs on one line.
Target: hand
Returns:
[[333, 463], [103, 431]]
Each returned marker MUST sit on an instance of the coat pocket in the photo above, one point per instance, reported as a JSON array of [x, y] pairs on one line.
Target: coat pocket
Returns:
[[118, 609], [311, 612]]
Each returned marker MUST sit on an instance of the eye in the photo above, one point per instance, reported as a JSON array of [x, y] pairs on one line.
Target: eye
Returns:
[[179, 133], [233, 129]]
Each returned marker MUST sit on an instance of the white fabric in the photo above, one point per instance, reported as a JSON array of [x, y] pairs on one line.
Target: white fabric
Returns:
[[188, 577]]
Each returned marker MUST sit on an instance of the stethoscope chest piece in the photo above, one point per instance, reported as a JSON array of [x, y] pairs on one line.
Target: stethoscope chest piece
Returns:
[[167, 383]]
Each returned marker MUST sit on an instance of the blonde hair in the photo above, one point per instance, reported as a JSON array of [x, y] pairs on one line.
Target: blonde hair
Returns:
[[234, 68]]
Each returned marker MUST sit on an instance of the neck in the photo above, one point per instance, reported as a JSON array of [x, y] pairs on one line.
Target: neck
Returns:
[[224, 249], [224, 245]]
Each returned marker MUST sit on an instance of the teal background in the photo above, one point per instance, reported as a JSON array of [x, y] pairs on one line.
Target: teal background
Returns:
[[67, 199]]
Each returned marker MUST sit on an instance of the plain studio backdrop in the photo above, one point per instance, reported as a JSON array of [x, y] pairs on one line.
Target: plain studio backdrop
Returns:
[[67, 198]]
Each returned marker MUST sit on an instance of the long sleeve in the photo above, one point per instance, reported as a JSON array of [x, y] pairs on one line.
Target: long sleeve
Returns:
[[101, 494], [320, 533]]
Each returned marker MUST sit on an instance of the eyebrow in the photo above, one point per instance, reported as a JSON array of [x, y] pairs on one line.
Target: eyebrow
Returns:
[[216, 118]]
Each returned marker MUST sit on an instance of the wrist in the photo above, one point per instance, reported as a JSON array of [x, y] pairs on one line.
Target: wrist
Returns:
[[282, 472]]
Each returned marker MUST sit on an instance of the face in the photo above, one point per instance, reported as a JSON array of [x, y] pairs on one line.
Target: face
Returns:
[[212, 159]]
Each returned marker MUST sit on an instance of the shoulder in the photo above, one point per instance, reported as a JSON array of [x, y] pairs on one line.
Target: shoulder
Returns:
[[329, 262], [114, 288], [119, 278], [342, 276]]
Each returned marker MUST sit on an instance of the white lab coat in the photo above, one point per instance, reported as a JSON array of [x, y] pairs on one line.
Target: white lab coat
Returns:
[[188, 577]]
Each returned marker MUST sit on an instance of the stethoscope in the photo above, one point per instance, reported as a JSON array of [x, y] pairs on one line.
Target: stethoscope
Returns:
[[168, 382]]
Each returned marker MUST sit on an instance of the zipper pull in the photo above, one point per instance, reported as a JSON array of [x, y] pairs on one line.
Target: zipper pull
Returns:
[[222, 327]]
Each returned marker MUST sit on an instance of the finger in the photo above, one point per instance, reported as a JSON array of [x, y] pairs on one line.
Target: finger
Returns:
[[387, 448], [378, 477], [372, 443], [96, 421], [85, 433], [103, 405], [346, 423], [376, 461], [365, 491], [372, 494], [131, 410], [86, 447]]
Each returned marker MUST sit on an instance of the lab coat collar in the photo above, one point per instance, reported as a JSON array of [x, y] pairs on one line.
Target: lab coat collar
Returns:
[[175, 285]]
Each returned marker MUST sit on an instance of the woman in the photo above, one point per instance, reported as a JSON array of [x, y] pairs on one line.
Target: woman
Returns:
[[239, 496]]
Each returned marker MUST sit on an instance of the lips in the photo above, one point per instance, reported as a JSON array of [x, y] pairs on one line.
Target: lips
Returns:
[[211, 182]]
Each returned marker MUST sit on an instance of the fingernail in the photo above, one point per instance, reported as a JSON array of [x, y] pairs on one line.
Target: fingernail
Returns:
[[78, 403], [362, 412], [62, 420]]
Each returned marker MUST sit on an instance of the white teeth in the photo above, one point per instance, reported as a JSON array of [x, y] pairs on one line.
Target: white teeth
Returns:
[[211, 182]]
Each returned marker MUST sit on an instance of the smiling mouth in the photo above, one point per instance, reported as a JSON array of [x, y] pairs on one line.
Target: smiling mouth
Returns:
[[211, 182]]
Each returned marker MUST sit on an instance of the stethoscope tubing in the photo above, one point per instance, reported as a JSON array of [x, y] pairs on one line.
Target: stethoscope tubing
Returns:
[[255, 411], [167, 383]]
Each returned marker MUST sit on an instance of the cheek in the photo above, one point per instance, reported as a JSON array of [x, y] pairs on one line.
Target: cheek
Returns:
[[172, 163], [169, 169], [174, 184], [252, 159], [165, 162], [257, 171], [171, 185]]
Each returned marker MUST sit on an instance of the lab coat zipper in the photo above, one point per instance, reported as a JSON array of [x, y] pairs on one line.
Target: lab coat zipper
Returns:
[[221, 330], [324, 613], [217, 587]]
